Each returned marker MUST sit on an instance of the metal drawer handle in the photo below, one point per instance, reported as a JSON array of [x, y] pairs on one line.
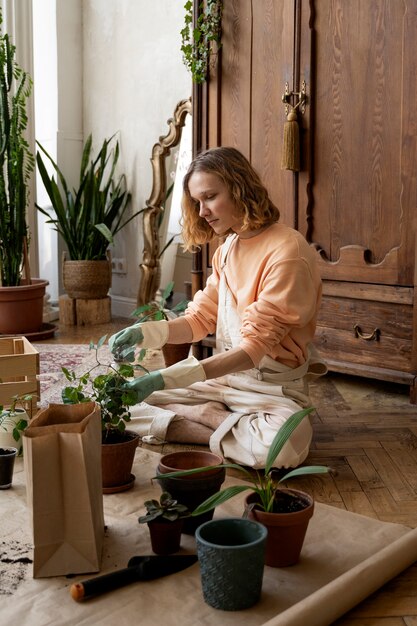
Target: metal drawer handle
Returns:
[[374, 336]]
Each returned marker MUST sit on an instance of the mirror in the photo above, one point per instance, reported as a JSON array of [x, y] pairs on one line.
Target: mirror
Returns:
[[170, 159]]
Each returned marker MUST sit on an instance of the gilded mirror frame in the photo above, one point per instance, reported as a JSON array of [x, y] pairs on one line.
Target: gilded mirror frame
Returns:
[[151, 266]]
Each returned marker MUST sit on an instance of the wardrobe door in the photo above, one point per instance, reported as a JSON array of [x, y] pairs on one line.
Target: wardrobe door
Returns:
[[357, 188], [356, 194]]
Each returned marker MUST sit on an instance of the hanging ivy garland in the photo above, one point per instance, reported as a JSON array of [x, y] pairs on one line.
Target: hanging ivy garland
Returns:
[[197, 41]]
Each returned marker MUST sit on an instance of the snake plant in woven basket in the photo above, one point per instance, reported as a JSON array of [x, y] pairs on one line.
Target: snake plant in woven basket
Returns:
[[87, 218], [16, 163]]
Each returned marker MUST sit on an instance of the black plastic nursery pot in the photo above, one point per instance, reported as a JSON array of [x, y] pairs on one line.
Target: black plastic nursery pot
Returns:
[[7, 457]]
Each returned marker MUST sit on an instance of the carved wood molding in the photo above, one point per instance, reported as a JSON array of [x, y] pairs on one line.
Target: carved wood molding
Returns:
[[150, 266], [353, 265]]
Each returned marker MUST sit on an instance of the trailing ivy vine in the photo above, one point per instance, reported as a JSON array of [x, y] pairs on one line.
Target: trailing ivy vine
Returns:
[[197, 40]]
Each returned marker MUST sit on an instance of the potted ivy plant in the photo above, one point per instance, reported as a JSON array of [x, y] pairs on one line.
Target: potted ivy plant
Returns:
[[21, 299], [104, 383], [87, 218], [201, 37], [157, 310], [285, 512], [165, 520]]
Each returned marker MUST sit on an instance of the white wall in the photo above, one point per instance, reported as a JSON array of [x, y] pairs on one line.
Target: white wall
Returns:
[[133, 77]]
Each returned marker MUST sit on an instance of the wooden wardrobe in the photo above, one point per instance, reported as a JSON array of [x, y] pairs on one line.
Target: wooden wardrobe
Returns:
[[355, 64]]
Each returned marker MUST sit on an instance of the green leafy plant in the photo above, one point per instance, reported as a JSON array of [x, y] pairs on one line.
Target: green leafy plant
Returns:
[[89, 217], [157, 310], [167, 509], [8, 415], [16, 163], [107, 389], [197, 39], [263, 483]]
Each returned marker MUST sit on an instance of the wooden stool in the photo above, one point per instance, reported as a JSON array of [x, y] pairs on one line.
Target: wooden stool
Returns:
[[81, 312]]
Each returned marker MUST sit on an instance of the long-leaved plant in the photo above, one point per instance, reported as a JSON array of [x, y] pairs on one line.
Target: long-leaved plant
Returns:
[[88, 218], [262, 482], [16, 162]]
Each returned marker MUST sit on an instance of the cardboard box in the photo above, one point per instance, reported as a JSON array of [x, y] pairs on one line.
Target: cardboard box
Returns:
[[19, 368]]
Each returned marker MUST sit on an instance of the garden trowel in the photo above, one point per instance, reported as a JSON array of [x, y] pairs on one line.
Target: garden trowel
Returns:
[[139, 568]]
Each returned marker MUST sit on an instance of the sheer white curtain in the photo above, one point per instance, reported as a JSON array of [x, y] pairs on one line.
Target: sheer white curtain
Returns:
[[17, 22]]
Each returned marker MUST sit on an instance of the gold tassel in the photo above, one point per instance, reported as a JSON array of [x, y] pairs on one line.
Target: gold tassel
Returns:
[[291, 147]]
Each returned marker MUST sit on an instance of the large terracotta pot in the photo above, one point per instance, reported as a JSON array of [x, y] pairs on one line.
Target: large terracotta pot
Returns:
[[286, 531], [21, 308], [88, 280], [116, 461], [191, 490]]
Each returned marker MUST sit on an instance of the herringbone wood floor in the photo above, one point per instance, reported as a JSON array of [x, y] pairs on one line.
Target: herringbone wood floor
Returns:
[[367, 431]]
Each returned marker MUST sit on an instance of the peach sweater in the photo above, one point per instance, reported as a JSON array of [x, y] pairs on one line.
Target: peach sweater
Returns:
[[276, 285]]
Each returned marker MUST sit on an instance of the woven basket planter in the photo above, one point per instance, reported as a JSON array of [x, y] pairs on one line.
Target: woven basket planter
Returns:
[[89, 280]]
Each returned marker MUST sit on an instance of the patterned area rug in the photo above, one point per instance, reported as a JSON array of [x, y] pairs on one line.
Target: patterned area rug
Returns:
[[52, 357], [77, 358]]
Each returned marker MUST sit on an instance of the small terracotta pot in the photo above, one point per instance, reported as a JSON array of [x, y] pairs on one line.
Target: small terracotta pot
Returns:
[[286, 531], [165, 535], [194, 489], [116, 462]]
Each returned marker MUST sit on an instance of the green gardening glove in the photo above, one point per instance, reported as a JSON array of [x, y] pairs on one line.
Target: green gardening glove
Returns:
[[126, 338], [176, 376], [145, 334], [145, 385]]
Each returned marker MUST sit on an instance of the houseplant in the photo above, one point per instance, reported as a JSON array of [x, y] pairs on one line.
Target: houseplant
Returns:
[[14, 420], [106, 387], [165, 519], [88, 218], [156, 311], [16, 167], [270, 500], [198, 36]]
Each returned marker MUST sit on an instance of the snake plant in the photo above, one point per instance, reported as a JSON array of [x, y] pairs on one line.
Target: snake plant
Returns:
[[87, 218], [16, 162]]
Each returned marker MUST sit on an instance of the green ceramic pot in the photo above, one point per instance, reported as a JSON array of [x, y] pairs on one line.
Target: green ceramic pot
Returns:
[[231, 553]]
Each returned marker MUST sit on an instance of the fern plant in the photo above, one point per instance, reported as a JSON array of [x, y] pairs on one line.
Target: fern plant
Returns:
[[16, 162]]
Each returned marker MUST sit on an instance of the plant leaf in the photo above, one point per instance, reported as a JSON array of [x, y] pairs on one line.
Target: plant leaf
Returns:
[[307, 469], [283, 435], [220, 497]]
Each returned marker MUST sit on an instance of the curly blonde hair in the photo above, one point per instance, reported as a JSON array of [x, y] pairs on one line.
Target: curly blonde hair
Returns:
[[244, 185]]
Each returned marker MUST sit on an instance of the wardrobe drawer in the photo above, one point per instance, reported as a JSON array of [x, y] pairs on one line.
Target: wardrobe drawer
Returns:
[[366, 332]]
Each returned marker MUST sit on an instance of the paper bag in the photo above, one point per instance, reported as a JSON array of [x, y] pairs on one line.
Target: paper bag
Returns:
[[62, 459]]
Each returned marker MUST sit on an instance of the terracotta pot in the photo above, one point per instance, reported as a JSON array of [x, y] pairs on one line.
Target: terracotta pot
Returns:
[[21, 308], [116, 462], [88, 280], [173, 353], [286, 531], [165, 535], [191, 490]]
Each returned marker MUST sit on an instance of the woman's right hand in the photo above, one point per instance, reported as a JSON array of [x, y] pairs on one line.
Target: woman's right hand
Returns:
[[143, 334]]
